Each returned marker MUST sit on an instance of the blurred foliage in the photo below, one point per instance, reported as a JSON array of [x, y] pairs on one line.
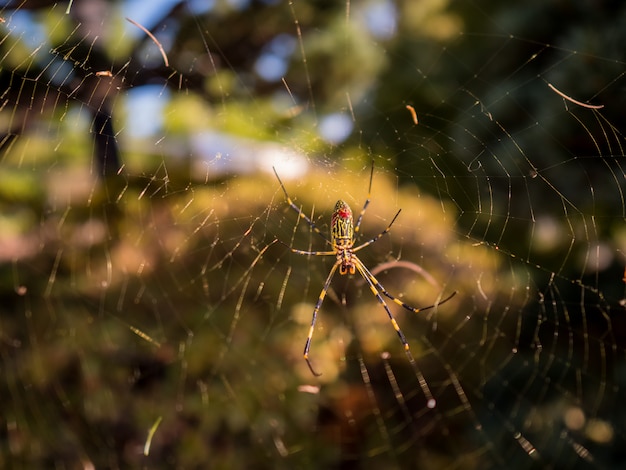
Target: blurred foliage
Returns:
[[132, 288]]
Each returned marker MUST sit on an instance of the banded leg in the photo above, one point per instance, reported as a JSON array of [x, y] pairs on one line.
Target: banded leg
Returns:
[[407, 349], [301, 214], [318, 305], [377, 237], [312, 253], [379, 287], [367, 201]]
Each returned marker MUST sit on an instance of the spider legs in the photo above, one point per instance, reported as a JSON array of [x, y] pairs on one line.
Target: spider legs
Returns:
[[318, 305], [367, 201], [369, 242], [295, 208], [376, 289], [373, 284], [373, 287], [379, 287], [313, 253]]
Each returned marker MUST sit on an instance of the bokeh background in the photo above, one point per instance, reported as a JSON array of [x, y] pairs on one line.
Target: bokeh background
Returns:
[[151, 312]]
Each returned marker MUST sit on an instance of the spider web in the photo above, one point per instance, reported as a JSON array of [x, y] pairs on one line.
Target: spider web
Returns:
[[153, 313]]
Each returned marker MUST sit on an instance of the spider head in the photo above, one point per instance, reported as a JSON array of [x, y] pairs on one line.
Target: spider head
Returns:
[[341, 225]]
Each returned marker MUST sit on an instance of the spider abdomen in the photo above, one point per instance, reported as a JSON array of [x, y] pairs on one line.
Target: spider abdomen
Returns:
[[342, 226]]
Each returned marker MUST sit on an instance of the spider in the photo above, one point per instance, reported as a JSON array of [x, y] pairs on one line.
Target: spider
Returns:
[[343, 234]]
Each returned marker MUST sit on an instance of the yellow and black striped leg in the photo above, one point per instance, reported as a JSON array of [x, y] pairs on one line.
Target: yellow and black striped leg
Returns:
[[301, 214], [369, 242], [312, 253], [380, 288], [371, 281], [318, 305], [367, 201]]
